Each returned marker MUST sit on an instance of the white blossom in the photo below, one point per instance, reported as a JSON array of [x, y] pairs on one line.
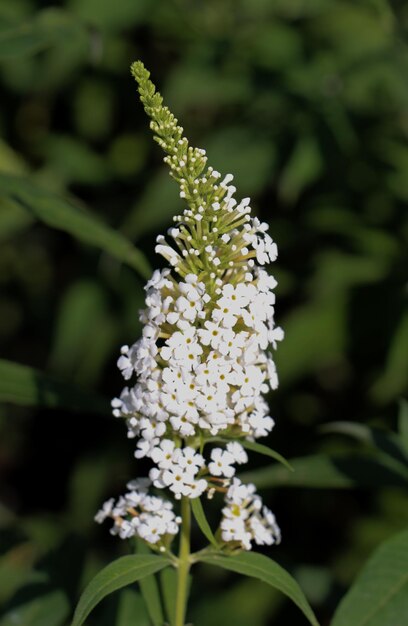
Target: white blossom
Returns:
[[221, 463], [246, 519], [138, 514]]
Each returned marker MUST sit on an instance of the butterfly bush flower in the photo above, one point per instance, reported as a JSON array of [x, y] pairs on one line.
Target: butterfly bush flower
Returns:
[[199, 373]]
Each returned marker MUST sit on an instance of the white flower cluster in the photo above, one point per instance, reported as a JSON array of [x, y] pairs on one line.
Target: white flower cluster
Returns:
[[246, 519], [139, 514], [202, 364], [177, 469]]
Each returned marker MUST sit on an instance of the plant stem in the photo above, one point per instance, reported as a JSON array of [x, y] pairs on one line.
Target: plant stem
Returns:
[[183, 563]]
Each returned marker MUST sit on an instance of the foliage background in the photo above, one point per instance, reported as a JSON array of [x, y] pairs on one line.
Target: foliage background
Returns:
[[306, 102]]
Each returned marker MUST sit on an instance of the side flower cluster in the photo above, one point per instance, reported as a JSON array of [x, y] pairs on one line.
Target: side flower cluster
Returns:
[[204, 361], [246, 519], [138, 514]]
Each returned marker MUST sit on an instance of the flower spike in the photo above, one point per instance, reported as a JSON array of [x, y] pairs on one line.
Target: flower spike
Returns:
[[203, 362]]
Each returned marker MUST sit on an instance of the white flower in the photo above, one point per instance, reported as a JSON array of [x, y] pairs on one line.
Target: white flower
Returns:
[[266, 249], [211, 335], [239, 493], [169, 254], [237, 297], [105, 511], [261, 424], [182, 426], [234, 530], [126, 361], [221, 464], [162, 454], [177, 479], [272, 374], [211, 399], [189, 459], [232, 344], [196, 487], [152, 528], [245, 519], [188, 309], [183, 348], [159, 280], [144, 447], [238, 452], [275, 335]]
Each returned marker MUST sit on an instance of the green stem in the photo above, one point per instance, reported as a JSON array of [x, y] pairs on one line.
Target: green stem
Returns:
[[183, 563]]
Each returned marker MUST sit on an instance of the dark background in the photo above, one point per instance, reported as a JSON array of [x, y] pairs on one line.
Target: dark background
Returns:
[[306, 102]]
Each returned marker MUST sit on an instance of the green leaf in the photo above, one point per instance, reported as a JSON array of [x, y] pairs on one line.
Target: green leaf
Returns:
[[385, 442], [23, 385], [110, 16], [392, 382], [379, 597], [46, 28], [246, 603], [150, 591], [299, 354], [266, 451], [85, 334], [303, 168], [202, 522], [154, 209], [13, 219], [131, 610], [120, 573], [48, 610], [403, 424], [261, 567], [61, 214], [320, 471], [74, 161], [168, 579], [251, 159]]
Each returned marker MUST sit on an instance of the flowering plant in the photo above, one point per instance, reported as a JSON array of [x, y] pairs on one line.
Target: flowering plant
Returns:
[[203, 368]]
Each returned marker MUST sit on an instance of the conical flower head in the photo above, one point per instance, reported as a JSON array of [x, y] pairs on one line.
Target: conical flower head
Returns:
[[202, 363]]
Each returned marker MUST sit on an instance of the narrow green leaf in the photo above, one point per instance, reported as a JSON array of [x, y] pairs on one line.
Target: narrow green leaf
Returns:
[[46, 28], [51, 609], [202, 522], [261, 567], [120, 573], [379, 597], [320, 471], [392, 382], [131, 610], [387, 442], [85, 334], [13, 219], [150, 591], [26, 386], [266, 451], [403, 424], [302, 169], [62, 214], [168, 580]]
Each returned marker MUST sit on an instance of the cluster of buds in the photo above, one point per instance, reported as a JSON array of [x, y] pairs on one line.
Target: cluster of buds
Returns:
[[203, 363]]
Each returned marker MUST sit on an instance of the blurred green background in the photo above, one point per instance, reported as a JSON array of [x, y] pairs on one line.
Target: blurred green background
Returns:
[[306, 103]]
